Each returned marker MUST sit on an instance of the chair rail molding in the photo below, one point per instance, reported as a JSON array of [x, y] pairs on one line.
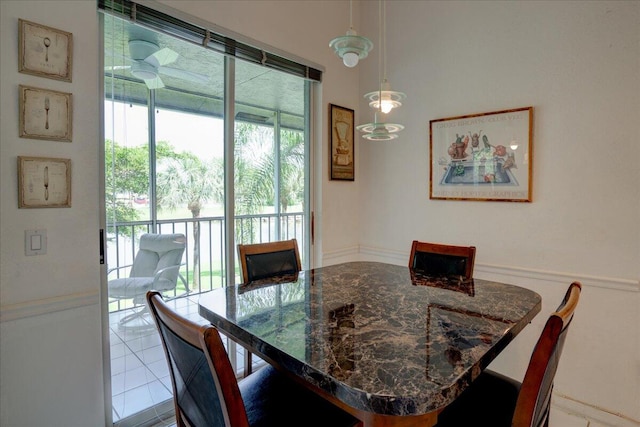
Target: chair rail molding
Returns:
[[33, 308], [493, 271]]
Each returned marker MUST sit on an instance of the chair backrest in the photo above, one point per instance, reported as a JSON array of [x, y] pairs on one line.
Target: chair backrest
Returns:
[[205, 389], [532, 407], [157, 252], [264, 260], [442, 260]]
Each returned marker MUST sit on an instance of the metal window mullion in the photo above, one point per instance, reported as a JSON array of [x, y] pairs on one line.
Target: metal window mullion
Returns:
[[276, 173], [229, 193], [152, 161], [306, 245]]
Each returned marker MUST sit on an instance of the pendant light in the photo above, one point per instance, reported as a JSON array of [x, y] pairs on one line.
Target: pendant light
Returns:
[[379, 130], [352, 47], [384, 99]]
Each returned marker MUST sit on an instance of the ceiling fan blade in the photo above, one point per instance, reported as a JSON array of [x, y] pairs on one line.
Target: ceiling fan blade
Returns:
[[162, 57], [154, 83], [117, 67], [183, 74]]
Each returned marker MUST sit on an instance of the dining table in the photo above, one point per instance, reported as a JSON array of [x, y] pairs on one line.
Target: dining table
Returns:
[[391, 345]]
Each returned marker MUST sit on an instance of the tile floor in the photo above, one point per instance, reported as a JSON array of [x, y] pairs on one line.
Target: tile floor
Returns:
[[140, 382]]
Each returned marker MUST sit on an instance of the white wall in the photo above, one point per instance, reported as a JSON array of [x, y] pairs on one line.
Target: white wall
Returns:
[[52, 376], [50, 335], [578, 64]]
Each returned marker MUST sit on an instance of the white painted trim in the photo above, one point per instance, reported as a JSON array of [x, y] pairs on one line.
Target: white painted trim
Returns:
[[49, 305], [591, 413], [365, 253], [611, 283], [66, 302]]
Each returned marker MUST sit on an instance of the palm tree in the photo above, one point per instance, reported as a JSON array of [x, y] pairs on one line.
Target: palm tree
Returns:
[[185, 180], [255, 165]]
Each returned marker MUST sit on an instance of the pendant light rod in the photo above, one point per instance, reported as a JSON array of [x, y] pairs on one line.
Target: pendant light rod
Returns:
[[381, 55], [351, 14], [384, 38], [384, 99]]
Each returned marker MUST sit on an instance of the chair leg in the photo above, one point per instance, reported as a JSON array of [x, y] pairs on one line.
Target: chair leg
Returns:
[[248, 360], [124, 323]]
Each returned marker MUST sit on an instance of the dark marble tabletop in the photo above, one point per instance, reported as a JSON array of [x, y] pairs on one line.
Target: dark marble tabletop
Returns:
[[379, 337]]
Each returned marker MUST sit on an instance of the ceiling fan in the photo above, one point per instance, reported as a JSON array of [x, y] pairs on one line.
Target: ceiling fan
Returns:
[[148, 61]]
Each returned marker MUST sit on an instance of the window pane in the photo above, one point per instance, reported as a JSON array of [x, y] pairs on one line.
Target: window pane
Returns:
[[269, 155]]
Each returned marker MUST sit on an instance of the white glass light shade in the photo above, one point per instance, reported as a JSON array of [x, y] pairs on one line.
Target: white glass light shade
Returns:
[[378, 131], [350, 59], [385, 99], [351, 48]]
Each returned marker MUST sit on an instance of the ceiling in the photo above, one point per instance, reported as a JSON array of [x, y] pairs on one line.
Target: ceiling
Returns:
[[194, 81]]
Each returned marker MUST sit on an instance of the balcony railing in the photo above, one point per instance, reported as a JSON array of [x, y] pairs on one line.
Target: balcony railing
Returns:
[[208, 257]]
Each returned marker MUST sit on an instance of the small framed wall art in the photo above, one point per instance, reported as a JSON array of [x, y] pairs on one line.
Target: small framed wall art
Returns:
[[44, 182], [44, 51], [45, 114], [341, 155], [484, 157]]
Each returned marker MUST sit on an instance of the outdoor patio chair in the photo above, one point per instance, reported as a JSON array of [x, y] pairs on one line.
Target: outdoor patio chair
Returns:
[[156, 266]]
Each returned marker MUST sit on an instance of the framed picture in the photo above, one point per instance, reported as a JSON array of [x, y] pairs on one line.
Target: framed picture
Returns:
[[341, 133], [44, 182], [482, 156], [44, 51], [45, 114]]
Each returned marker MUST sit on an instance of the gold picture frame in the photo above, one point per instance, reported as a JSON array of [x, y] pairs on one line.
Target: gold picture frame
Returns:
[[341, 149], [44, 51], [45, 114], [44, 182], [485, 157]]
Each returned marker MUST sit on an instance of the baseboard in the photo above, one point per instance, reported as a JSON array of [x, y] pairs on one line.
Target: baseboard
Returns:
[[567, 408]]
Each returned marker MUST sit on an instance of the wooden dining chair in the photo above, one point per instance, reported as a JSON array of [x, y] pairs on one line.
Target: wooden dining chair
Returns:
[[206, 392], [499, 401], [442, 260], [262, 261]]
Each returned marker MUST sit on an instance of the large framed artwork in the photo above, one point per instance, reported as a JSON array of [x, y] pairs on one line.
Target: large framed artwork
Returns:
[[44, 51], [485, 156], [341, 155]]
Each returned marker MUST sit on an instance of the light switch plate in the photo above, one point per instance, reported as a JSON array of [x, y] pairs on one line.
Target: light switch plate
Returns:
[[35, 242]]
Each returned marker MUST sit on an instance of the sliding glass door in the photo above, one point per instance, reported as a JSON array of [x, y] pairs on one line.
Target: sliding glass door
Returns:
[[191, 148]]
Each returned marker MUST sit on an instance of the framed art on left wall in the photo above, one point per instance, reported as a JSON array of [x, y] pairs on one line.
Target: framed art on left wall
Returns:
[[44, 51], [44, 182], [341, 155], [45, 114]]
